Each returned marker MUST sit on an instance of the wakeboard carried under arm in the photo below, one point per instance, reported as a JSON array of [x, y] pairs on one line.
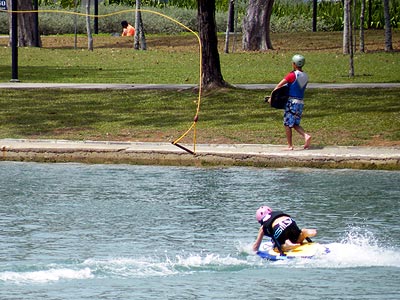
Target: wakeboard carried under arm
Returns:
[[278, 97]]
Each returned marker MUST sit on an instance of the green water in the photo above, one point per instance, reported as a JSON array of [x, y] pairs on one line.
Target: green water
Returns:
[[72, 231]]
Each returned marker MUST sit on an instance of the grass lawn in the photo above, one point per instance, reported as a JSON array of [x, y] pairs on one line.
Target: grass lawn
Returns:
[[175, 59], [333, 117]]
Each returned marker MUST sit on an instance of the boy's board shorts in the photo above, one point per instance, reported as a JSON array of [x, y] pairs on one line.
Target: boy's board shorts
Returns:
[[287, 229], [293, 112]]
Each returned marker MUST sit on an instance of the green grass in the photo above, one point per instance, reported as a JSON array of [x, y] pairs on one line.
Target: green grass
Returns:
[[126, 66], [175, 59], [333, 117]]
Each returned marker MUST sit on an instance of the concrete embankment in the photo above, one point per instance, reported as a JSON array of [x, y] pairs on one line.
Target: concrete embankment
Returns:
[[254, 155]]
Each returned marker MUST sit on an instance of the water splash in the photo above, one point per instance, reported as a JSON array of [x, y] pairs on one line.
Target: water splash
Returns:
[[44, 276], [164, 266], [127, 268], [360, 248]]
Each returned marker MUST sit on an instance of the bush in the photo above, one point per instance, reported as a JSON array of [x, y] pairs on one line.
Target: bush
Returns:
[[288, 16], [54, 20], [300, 24]]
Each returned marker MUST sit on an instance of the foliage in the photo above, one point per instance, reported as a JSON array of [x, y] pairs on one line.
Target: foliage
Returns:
[[299, 24], [288, 16], [331, 12], [61, 3], [221, 5], [58, 22]]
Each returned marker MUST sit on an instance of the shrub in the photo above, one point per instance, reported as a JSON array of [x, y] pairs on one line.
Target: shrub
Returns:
[[54, 20], [288, 16]]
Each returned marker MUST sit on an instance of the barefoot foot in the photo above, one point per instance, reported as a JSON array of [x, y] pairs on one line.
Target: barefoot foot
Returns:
[[309, 232], [307, 139], [289, 245]]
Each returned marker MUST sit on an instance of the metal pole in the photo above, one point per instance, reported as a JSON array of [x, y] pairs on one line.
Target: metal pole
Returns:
[[96, 18], [14, 41], [369, 14], [314, 23]]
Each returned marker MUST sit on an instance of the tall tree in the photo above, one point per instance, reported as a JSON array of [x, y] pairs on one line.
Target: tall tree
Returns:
[[346, 27], [211, 68], [230, 27], [26, 25], [139, 38], [362, 22], [88, 27], [256, 25], [388, 27], [349, 11]]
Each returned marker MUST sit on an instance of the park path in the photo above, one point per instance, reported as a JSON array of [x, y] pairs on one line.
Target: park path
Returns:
[[23, 85]]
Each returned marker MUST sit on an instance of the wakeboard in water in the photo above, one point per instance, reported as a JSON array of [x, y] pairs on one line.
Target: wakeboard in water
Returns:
[[279, 97], [306, 250]]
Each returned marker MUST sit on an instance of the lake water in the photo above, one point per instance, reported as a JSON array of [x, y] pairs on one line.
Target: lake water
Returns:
[[74, 231]]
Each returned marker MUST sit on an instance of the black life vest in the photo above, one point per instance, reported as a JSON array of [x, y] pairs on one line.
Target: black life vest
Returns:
[[267, 225]]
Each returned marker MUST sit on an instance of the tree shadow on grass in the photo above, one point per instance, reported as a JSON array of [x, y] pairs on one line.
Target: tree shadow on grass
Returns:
[[64, 74], [54, 111]]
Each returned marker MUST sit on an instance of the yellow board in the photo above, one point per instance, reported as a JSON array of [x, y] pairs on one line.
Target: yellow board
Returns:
[[307, 250]]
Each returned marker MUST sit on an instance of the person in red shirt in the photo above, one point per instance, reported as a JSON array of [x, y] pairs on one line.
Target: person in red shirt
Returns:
[[297, 82], [127, 29]]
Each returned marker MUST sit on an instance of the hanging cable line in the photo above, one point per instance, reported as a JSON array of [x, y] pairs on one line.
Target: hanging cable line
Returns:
[[195, 119]]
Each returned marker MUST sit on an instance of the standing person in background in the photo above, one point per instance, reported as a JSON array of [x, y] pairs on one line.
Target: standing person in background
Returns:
[[297, 81], [127, 29]]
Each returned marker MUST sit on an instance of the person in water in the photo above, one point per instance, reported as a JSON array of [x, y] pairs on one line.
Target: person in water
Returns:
[[283, 230]]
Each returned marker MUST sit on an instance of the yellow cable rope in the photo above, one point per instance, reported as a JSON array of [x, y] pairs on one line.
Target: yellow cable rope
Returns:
[[193, 126]]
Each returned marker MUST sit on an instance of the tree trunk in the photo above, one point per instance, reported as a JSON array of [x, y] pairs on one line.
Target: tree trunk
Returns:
[[388, 27], [88, 27], [346, 26], [211, 68], [229, 27], [139, 40], [256, 25], [350, 42], [362, 21], [75, 25], [26, 25]]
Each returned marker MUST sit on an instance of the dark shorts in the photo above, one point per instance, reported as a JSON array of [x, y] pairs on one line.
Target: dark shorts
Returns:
[[287, 229]]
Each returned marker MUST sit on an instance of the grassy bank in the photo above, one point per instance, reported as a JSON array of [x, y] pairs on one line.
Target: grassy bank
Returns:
[[333, 117]]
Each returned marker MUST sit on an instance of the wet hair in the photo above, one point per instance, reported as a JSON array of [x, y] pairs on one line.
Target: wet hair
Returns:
[[124, 23]]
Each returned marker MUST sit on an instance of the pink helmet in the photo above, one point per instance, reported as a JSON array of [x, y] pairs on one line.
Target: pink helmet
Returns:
[[262, 212]]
